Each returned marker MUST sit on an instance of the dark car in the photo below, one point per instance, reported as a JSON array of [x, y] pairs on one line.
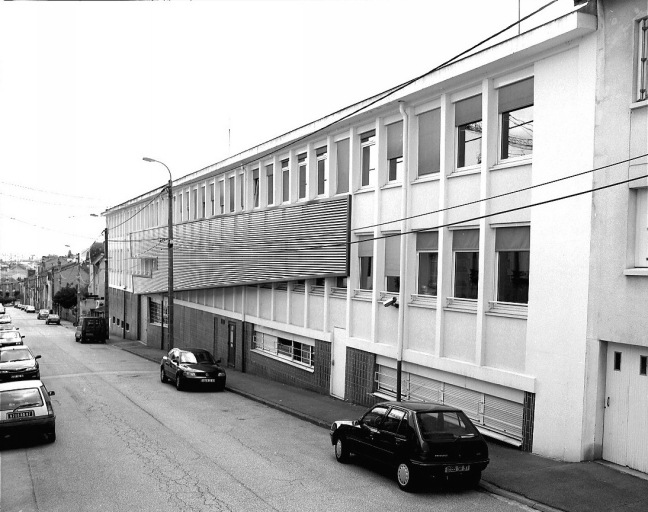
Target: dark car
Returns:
[[10, 338], [91, 328], [25, 406], [192, 366], [18, 363], [417, 439]]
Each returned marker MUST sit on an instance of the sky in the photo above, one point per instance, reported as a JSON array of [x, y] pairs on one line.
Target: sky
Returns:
[[87, 89]]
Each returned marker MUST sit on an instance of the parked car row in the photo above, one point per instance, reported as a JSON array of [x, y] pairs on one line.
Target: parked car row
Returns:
[[25, 404]]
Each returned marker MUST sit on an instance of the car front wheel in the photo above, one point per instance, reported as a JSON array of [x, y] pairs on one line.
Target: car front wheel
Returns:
[[163, 377], [179, 382], [405, 476], [341, 450]]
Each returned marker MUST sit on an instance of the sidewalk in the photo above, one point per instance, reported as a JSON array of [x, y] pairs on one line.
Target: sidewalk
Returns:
[[538, 482]]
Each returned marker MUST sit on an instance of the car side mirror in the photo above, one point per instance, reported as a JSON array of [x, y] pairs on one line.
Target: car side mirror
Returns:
[[51, 393], [218, 361], [22, 336], [37, 357]]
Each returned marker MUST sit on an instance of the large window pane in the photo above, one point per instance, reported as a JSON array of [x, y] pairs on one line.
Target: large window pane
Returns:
[[429, 142], [366, 281], [428, 273], [466, 275], [270, 183], [515, 105], [368, 145], [342, 166], [468, 116], [513, 276]]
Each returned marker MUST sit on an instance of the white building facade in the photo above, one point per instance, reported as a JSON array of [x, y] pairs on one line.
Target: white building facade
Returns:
[[415, 235]]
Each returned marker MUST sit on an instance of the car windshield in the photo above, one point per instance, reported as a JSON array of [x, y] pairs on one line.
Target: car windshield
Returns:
[[9, 335], [198, 357], [15, 355], [445, 424], [10, 400]]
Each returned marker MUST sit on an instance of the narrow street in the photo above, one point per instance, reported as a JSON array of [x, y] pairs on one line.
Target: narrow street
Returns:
[[128, 442]]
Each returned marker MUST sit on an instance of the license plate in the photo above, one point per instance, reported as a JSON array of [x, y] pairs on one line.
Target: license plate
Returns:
[[208, 380], [457, 469], [17, 376], [21, 414]]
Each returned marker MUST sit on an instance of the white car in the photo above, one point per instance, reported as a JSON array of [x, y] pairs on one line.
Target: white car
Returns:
[[30, 309], [25, 406]]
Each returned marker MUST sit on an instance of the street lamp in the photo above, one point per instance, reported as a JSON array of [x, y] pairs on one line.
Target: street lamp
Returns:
[[170, 248]]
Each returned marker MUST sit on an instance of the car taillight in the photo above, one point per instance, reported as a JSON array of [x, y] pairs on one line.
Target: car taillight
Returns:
[[50, 409]]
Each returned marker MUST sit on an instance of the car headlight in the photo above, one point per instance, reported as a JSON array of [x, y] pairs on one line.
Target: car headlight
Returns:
[[190, 374], [221, 374]]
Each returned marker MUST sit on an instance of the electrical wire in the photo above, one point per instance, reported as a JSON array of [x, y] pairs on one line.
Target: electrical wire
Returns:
[[44, 202], [504, 194], [48, 191]]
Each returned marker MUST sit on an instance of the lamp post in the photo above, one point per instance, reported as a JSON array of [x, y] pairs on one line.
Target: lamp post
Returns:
[[170, 249]]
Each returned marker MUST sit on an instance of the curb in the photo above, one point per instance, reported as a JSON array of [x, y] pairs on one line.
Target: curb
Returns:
[[518, 498]]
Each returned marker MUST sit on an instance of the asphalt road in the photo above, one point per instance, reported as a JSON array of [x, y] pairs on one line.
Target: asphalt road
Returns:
[[127, 442]]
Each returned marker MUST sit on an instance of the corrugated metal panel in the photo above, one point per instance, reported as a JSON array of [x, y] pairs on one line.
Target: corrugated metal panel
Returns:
[[427, 390], [503, 416], [465, 399], [295, 242]]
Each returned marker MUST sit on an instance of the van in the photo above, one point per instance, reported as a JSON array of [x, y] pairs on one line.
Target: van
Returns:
[[91, 328]]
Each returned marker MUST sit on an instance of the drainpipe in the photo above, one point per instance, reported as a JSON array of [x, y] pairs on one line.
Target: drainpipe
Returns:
[[403, 253]]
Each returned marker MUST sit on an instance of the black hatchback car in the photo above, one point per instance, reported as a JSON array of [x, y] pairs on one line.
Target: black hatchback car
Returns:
[[418, 439], [192, 366]]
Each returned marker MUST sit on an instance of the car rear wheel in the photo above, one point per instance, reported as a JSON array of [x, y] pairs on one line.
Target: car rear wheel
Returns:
[[179, 382], [341, 450], [163, 377], [405, 476], [50, 437]]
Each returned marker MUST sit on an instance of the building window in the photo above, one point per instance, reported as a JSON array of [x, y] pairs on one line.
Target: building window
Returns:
[[368, 149], [342, 161], [203, 202], [232, 193], [187, 205], [643, 365], [617, 361], [429, 142], [180, 210], [515, 107], [427, 249], [242, 190], [285, 181], [212, 198], [642, 60], [365, 253], [512, 248], [270, 183], [295, 351], [301, 164], [392, 263], [468, 120], [221, 195], [255, 187], [322, 170], [394, 151], [465, 249], [341, 282], [641, 227]]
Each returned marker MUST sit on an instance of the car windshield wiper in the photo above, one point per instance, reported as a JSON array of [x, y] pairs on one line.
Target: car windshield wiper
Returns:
[[31, 404]]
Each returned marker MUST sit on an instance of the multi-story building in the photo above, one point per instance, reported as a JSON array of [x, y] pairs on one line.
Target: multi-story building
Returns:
[[440, 242]]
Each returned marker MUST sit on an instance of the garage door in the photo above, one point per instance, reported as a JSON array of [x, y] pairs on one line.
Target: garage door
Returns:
[[626, 407]]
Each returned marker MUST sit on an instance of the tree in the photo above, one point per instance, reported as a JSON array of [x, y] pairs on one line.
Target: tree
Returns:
[[65, 297]]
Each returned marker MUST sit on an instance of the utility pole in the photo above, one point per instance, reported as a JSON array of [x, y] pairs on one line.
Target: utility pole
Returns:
[[78, 287], [106, 309]]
